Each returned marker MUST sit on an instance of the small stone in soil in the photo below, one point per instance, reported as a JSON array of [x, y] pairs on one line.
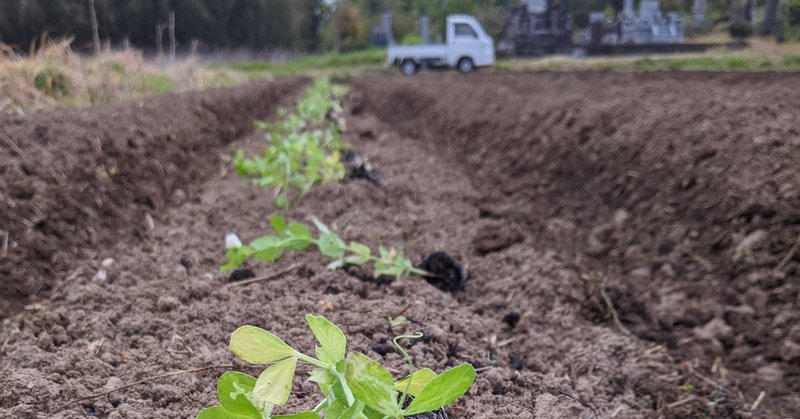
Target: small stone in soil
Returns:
[[382, 348], [116, 402], [358, 168], [511, 319], [186, 262], [516, 362], [448, 273], [305, 272], [240, 275]]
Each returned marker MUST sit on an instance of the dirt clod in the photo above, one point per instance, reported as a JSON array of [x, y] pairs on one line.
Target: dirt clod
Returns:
[[240, 274], [447, 273]]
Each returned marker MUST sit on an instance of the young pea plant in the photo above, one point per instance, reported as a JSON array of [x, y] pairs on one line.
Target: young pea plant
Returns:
[[353, 385], [296, 236], [303, 149]]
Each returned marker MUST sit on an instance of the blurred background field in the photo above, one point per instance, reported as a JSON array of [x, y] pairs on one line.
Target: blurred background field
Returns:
[[56, 53]]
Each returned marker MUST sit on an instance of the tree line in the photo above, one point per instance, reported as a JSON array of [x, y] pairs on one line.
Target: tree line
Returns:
[[297, 25], [257, 24]]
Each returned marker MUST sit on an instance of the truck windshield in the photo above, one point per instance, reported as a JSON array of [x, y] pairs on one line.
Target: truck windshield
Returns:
[[465, 30]]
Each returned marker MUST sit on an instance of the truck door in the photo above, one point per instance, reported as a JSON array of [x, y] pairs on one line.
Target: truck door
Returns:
[[462, 41]]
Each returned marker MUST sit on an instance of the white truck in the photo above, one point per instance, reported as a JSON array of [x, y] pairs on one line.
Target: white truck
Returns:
[[467, 48]]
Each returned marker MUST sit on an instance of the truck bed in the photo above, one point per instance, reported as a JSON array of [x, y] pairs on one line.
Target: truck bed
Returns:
[[432, 52]]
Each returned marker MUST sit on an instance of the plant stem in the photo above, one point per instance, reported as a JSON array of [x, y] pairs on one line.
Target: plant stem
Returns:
[[313, 361], [332, 368], [348, 394], [410, 361]]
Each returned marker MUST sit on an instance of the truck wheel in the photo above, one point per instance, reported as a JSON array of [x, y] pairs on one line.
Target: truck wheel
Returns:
[[408, 68], [465, 65]]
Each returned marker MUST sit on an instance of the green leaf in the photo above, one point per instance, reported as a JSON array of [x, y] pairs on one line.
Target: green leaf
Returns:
[[372, 384], [418, 380], [331, 338], [300, 237], [371, 414], [282, 202], [360, 249], [257, 346], [278, 224], [335, 409], [353, 412], [331, 246], [265, 242], [361, 254], [324, 379], [236, 257], [303, 415], [267, 248], [274, 385], [269, 255], [233, 390], [299, 231], [356, 260], [219, 412], [443, 390]]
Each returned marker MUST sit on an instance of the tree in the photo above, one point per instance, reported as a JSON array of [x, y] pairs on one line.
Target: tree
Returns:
[[740, 30], [95, 30], [348, 26]]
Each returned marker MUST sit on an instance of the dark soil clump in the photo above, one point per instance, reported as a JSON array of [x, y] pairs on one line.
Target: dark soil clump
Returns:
[[447, 273]]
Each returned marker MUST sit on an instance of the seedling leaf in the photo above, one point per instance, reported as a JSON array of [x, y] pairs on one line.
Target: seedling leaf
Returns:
[[236, 256], [219, 412], [299, 231], [372, 384], [233, 389], [257, 346], [443, 390], [330, 337], [278, 224], [331, 246], [353, 412], [418, 380], [303, 415], [275, 384]]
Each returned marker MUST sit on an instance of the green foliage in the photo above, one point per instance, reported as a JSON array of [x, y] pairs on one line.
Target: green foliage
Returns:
[[296, 236], [257, 24], [52, 82], [303, 149], [740, 30], [353, 386], [791, 12], [412, 39], [157, 83], [321, 62]]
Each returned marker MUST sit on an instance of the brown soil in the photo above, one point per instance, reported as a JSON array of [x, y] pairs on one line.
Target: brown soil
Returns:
[[543, 183], [77, 181]]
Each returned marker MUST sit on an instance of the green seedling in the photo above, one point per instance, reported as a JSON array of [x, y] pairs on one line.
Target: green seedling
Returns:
[[296, 236], [353, 386], [303, 149]]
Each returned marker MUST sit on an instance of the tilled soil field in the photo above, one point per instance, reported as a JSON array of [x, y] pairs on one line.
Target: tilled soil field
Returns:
[[666, 201]]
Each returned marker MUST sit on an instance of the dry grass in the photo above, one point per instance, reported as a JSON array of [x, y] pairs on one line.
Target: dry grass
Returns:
[[52, 74]]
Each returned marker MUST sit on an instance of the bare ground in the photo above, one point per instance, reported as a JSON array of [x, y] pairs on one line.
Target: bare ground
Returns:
[[543, 183]]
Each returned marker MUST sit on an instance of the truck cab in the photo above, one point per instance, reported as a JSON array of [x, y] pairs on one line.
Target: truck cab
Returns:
[[468, 47]]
